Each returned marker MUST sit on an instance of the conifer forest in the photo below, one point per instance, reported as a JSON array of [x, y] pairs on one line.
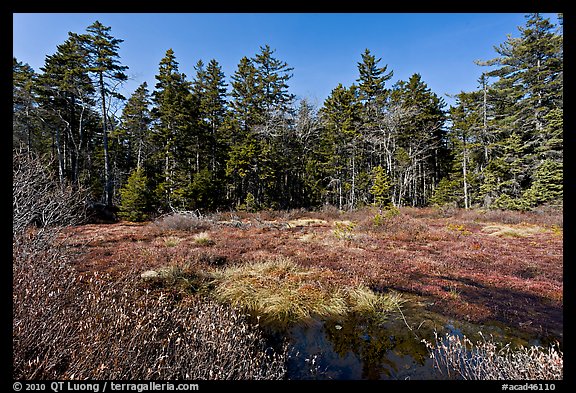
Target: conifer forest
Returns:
[[216, 226], [211, 141]]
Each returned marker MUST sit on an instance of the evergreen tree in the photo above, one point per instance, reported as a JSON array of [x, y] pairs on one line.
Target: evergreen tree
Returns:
[[421, 154], [134, 197], [174, 134], [210, 86], [341, 117], [547, 186], [24, 105], [380, 189], [259, 162], [371, 81], [102, 49], [134, 130], [529, 74], [272, 82], [66, 97], [245, 96]]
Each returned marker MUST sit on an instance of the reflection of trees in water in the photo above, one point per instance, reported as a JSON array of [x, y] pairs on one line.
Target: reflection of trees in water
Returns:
[[383, 349]]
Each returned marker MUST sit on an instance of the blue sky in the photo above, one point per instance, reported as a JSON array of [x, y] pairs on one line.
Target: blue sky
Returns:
[[323, 48]]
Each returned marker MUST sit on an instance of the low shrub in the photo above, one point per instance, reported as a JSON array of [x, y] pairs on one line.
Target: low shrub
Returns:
[[344, 230], [183, 221], [72, 326]]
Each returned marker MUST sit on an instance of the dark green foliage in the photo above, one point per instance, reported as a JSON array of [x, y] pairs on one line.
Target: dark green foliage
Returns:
[[255, 147], [447, 191], [547, 186], [134, 195], [529, 76], [134, 130], [102, 54], [381, 187], [205, 191]]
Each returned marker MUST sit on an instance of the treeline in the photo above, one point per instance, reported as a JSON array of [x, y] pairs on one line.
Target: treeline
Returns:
[[205, 143]]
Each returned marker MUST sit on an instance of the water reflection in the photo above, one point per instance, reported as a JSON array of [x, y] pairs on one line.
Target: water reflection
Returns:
[[357, 348], [364, 348]]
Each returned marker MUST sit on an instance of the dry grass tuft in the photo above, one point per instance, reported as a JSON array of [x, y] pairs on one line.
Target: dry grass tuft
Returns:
[[171, 241], [203, 239], [514, 231], [281, 293], [366, 301]]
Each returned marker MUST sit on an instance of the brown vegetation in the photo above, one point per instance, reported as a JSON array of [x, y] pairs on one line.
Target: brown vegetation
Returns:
[[445, 256], [70, 326]]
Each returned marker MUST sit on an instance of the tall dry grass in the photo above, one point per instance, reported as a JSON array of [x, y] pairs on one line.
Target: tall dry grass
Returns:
[[281, 293]]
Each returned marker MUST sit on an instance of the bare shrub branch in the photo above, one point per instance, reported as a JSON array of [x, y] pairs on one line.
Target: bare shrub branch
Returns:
[[460, 358], [38, 198], [71, 326]]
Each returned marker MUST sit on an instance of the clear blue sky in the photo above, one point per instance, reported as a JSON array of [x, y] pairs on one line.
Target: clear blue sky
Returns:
[[323, 49]]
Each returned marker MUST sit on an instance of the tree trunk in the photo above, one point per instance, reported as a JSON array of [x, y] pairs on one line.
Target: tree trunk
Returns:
[[107, 179]]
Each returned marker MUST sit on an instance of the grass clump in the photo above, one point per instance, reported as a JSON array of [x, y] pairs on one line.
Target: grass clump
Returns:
[[203, 239], [183, 278], [171, 241], [365, 301], [513, 231], [281, 293]]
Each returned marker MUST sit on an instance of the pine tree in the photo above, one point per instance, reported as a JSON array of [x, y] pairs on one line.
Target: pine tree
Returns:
[[66, 98], [102, 49]]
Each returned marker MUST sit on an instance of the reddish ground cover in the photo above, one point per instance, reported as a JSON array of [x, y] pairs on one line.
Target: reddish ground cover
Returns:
[[469, 267]]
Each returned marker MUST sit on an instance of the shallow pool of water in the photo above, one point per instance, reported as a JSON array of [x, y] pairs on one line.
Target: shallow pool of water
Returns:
[[363, 349]]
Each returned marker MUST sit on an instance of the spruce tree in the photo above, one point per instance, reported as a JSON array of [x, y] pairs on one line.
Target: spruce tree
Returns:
[[380, 189], [529, 72], [66, 98], [174, 135], [421, 155], [23, 105], [134, 129], [340, 115], [134, 197], [210, 86]]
